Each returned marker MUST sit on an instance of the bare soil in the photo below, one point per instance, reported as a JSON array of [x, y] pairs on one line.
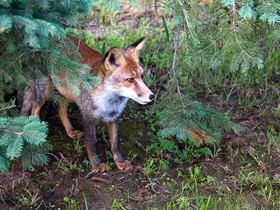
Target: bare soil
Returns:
[[67, 176]]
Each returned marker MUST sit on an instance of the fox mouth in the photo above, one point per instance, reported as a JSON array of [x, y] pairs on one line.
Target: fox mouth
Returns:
[[141, 102], [144, 99]]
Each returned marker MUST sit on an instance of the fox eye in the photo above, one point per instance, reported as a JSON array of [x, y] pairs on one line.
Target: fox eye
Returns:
[[130, 80]]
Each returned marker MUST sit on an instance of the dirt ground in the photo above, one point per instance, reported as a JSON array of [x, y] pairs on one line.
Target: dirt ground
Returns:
[[66, 182]]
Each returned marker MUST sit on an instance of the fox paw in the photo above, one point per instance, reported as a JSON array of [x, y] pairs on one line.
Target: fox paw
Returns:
[[75, 134], [99, 169], [124, 165]]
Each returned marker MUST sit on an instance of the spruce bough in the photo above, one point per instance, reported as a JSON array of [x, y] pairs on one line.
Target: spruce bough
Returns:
[[33, 40]]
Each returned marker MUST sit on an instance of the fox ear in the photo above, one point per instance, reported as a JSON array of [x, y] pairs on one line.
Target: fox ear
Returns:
[[114, 59], [136, 47]]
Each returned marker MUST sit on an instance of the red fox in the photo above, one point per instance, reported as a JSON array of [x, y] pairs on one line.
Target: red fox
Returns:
[[121, 78]]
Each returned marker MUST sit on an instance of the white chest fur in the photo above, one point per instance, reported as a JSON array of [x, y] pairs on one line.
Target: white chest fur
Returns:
[[108, 105]]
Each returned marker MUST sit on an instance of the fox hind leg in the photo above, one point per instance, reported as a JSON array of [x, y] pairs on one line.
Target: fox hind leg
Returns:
[[62, 112]]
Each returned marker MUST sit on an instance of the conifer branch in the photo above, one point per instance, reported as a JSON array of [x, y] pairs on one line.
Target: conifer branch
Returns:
[[30, 31], [4, 46], [23, 134], [26, 8], [234, 12], [205, 48], [187, 21], [13, 62], [15, 149], [176, 43], [235, 27], [9, 107]]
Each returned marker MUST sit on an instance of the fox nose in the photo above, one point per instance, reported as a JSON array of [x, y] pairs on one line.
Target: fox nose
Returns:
[[151, 97]]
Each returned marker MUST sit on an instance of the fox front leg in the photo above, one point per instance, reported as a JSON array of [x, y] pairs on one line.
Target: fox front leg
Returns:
[[121, 163], [91, 144]]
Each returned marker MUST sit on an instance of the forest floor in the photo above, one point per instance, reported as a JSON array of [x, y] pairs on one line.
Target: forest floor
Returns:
[[245, 169]]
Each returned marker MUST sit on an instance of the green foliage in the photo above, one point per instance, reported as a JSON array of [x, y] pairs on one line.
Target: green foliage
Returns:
[[223, 47], [8, 108], [31, 39], [224, 43], [165, 28], [34, 43], [22, 137], [191, 116]]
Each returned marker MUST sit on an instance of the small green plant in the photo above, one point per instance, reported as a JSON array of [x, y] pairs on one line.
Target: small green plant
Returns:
[[189, 152], [78, 145], [111, 188], [85, 201], [72, 203], [30, 200], [149, 169], [276, 112], [118, 204]]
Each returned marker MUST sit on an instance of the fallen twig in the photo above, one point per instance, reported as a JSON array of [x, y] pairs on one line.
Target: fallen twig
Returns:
[[138, 144], [70, 164], [97, 179], [48, 153]]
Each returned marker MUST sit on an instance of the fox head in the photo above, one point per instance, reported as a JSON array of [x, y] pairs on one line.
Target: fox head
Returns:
[[124, 75]]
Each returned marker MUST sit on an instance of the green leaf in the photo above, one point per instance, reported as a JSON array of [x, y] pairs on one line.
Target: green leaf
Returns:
[[228, 3], [27, 24], [87, 86], [6, 3], [93, 79], [246, 12], [5, 23], [217, 59], [206, 151], [76, 91], [15, 147], [5, 138], [165, 28], [4, 163], [45, 28]]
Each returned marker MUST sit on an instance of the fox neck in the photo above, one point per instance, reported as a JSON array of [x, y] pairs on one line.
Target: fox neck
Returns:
[[108, 105]]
